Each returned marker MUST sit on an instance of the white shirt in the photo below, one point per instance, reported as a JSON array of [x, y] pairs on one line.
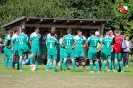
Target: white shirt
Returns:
[[49, 35]]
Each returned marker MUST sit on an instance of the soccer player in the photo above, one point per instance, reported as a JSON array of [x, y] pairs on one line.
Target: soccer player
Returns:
[[15, 47], [7, 50], [43, 47], [117, 49], [92, 52], [69, 44], [23, 46], [35, 46], [107, 42], [79, 49], [52, 51]]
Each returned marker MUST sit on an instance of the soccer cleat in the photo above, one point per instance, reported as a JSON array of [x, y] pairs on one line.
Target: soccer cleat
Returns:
[[115, 71], [68, 69], [54, 70], [91, 71], [122, 71], [20, 70]]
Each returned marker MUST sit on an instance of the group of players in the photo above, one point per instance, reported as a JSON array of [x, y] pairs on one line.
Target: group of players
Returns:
[[71, 47]]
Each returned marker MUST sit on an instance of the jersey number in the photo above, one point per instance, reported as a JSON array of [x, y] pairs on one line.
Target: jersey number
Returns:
[[20, 41], [108, 44], [68, 42]]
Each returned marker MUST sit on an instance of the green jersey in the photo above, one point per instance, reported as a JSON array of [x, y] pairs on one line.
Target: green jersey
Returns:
[[79, 41], [23, 39], [51, 45], [15, 40], [7, 39], [35, 39], [68, 41], [93, 41], [107, 44], [61, 45]]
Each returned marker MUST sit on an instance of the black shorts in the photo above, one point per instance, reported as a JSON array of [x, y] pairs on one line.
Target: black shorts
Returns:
[[99, 55]]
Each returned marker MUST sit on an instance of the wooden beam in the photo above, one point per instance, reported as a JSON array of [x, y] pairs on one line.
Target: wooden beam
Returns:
[[62, 26], [102, 29]]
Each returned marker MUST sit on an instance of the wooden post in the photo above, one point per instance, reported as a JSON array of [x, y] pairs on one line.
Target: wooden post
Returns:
[[102, 29], [22, 25]]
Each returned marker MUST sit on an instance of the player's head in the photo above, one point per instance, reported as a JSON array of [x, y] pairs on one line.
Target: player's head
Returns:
[[45, 32], [69, 31], [53, 29], [52, 34], [117, 32], [10, 33], [107, 33], [0, 39], [79, 32], [92, 32], [111, 32], [17, 30], [97, 33], [23, 30], [127, 38], [37, 30]]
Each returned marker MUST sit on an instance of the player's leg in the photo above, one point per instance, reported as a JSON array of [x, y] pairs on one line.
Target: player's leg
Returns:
[[91, 61], [54, 62], [99, 59], [10, 59], [77, 63], [48, 61], [37, 57], [42, 59], [82, 55], [116, 63], [72, 59], [65, 60], [61, 59], [96, 62], [6, 61], [120, 62], [33, 53], [104, 61], [109, 63], [21, 54]]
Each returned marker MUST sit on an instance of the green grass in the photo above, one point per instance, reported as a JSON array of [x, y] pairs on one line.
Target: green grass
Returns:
[[67, 79]]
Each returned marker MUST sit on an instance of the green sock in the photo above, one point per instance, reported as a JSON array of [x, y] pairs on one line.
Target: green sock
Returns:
[[77, 66], [50, 64], [31, 60], [110, 66], [42, 61], [83, 66], [47, 66], [17, 64], [91, 67], [6, 63], [97, 66], [36, 63], [116, 66], [64, 65], [103, 66], [20, 64], [10, 62], [61, 62], [73, 65], [121, 66], [54, 68]]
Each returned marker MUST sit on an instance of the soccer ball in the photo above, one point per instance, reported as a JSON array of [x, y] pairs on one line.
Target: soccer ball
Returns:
[[33, 67]]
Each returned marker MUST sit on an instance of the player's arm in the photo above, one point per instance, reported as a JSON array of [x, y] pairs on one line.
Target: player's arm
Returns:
[[84, 42], [100, 46], [6, 44], [74, 45]]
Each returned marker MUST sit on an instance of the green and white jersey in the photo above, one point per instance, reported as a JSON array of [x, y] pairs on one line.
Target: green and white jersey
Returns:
[[68, 41], [61, 45], [79, 41], [35, 39], [7, 39], [107, 44], [44, 39], [22, 39], [93, 41], [15, 40]]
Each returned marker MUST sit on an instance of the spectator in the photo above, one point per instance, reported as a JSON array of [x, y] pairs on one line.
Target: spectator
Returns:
[[126, 50], [1, 45]]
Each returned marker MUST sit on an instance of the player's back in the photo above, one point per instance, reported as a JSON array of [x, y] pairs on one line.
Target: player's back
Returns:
[[93, 41], [79, 40], [15, 40], [117, 44], [23, 39], [8, 40], [51, 43], [35, 38], [68, 41]]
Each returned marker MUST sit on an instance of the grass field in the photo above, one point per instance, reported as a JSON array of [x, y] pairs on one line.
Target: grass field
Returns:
[[67, 79]]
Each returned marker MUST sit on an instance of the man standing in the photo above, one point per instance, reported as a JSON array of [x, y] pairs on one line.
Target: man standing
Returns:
[[69, 44], [22, 46], [52, 51], [15, 47], [35, 46], [107, 42], [79, 49], [117, 49], [92, 52], [8, 51]]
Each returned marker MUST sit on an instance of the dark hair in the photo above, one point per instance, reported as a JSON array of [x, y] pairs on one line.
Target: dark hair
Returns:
[[23, 30], [92, 32], [53, 28], [69, 30], [61, 35], [37, 28], [9, 32], [45, 31], [52, 34], [16, 29], [117, 31], [79, 31]]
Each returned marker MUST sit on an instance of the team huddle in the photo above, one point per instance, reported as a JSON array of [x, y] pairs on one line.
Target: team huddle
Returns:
[[20, 45]]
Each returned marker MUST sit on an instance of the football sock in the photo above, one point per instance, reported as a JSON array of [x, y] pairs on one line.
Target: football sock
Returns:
[[67, 63], [73, 65], [110, 66], [83, 66], [47, 66], [91, 67], [42, 61], [61, 62], [64, 65], [31, 60], [116, 66], [103, 66], [14, 61], [6, 63], [121, 66], [50, 64], [20, 64], [97, 66], [17, 64], [54, 67], [10, 62], [36, 63]]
